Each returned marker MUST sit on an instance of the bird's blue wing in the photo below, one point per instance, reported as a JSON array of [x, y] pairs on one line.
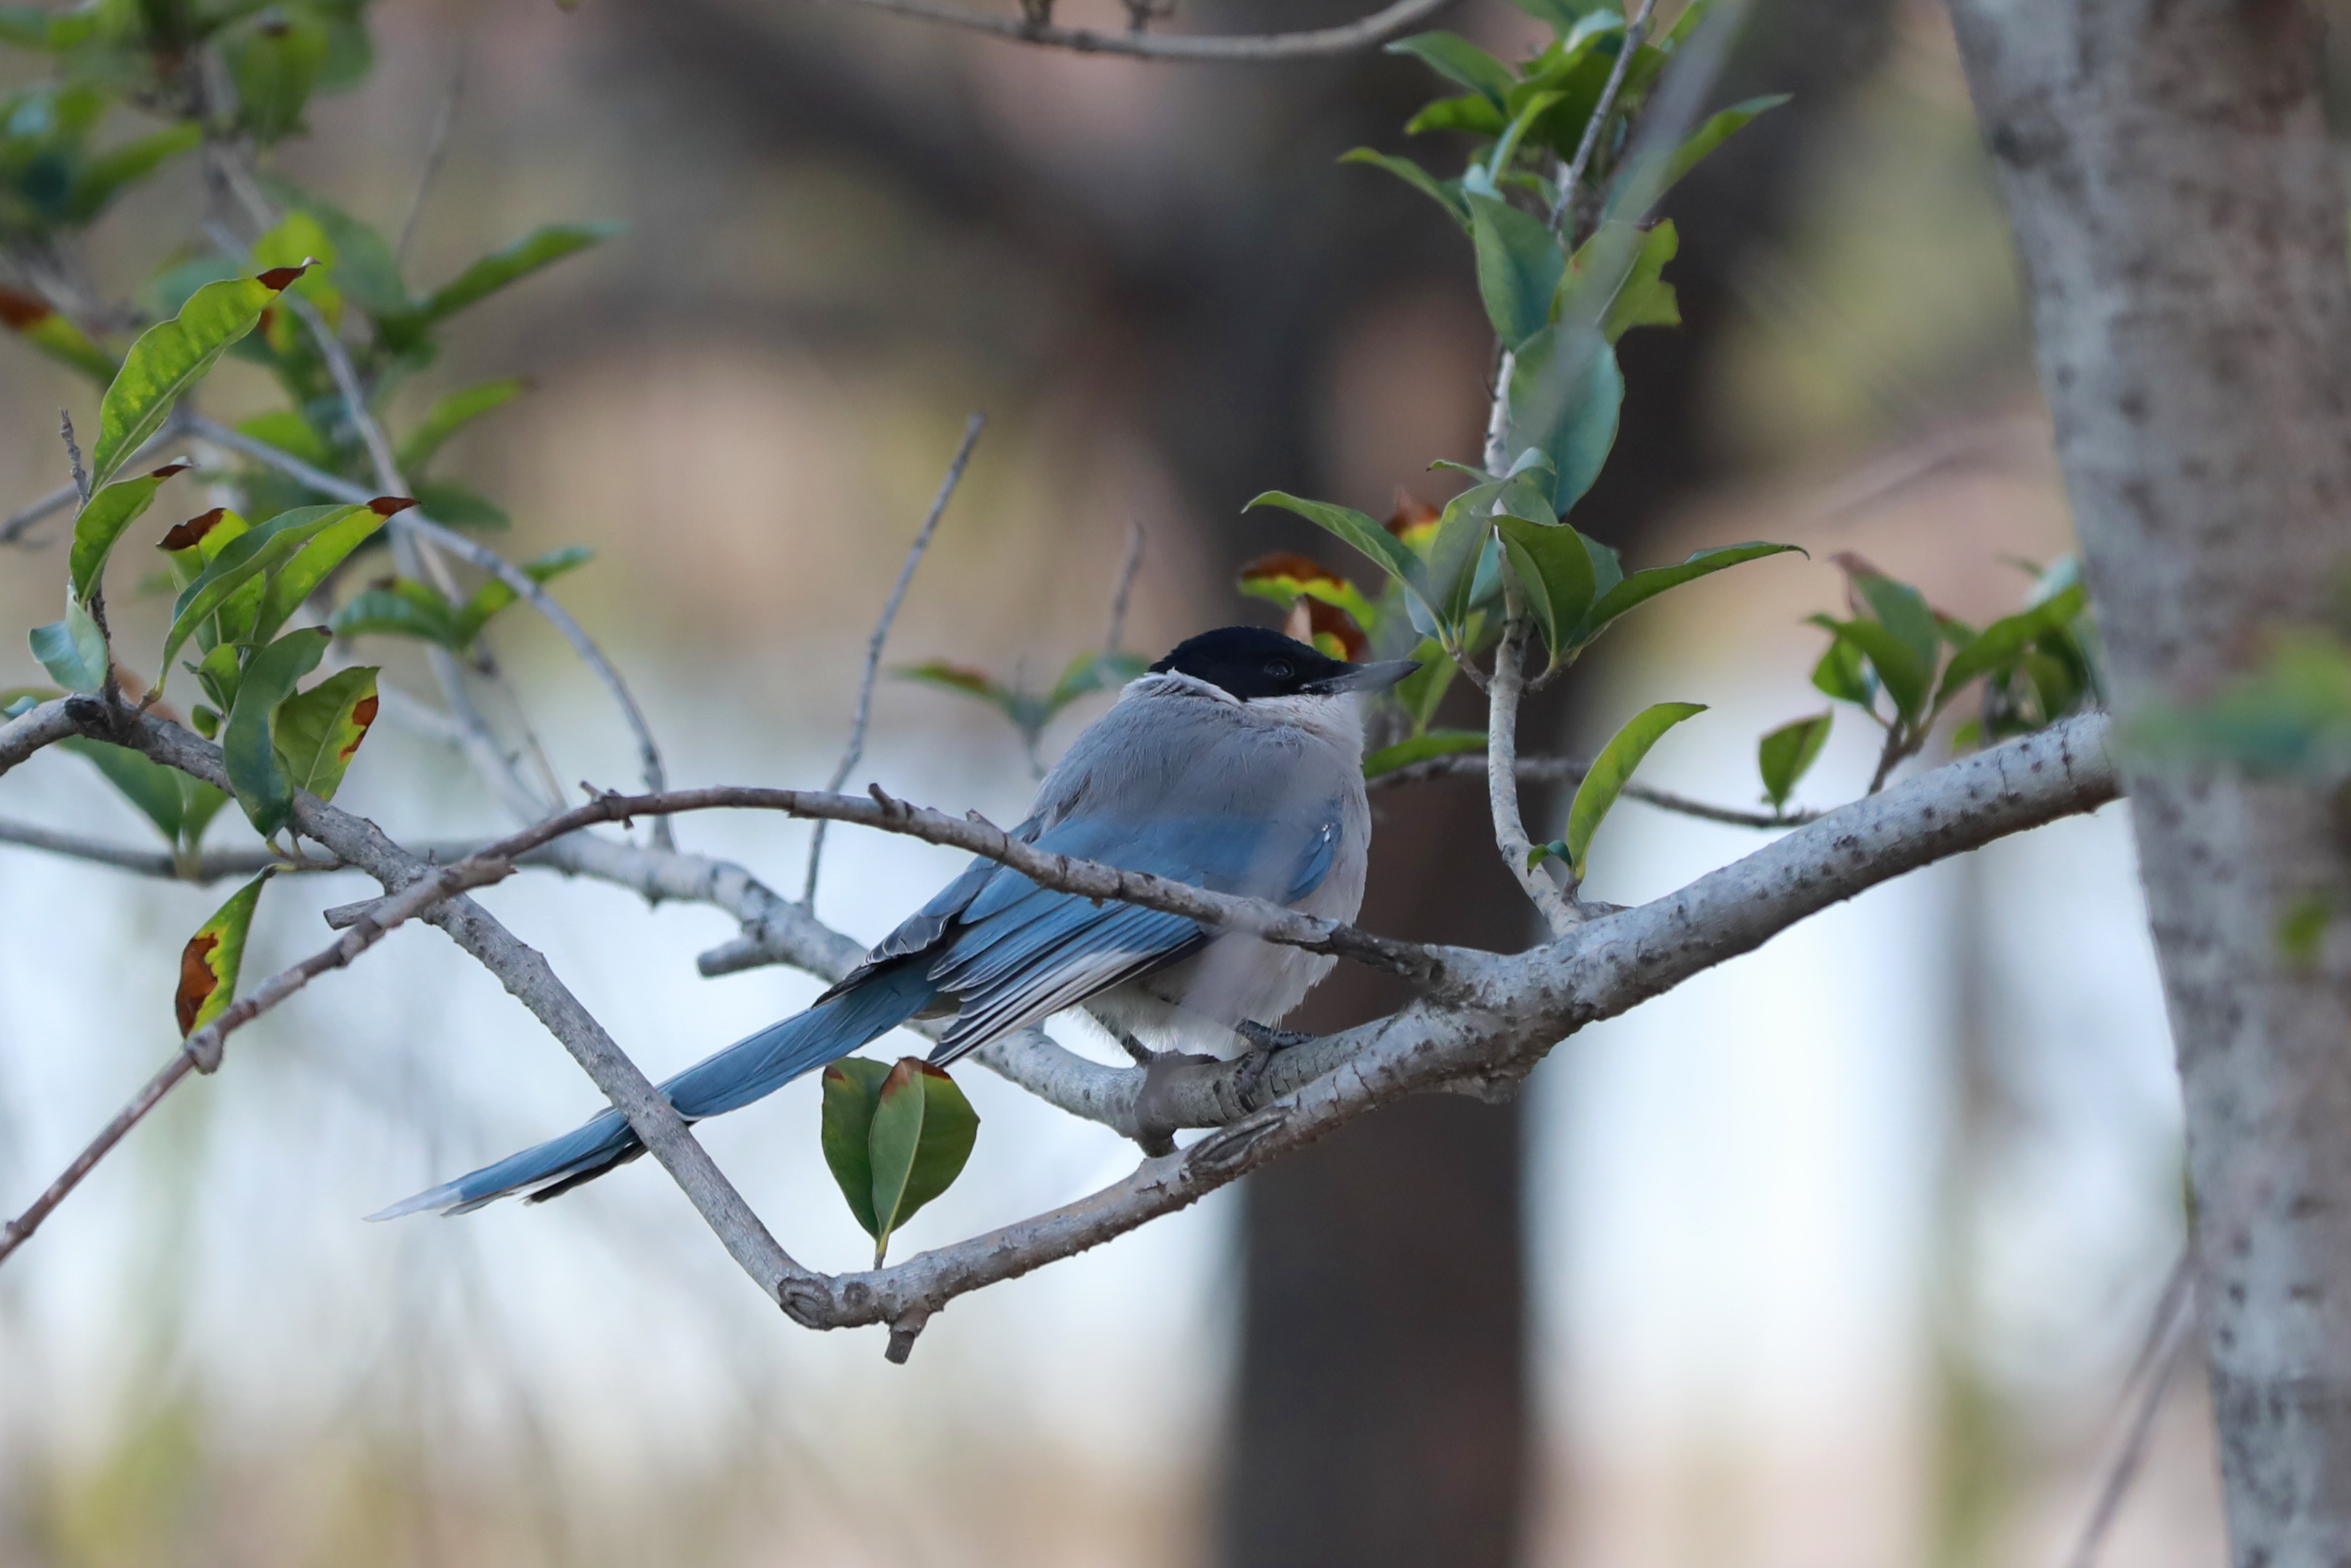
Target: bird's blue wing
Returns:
[[1017, 952]]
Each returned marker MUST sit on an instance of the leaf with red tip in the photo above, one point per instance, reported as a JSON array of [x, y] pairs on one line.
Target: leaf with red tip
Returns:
[[169, 358], [29, 315], [318, 731], [100, 523]]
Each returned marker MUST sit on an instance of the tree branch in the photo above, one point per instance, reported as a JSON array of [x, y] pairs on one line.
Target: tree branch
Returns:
[[1554, 902], [1264, 49], [855, 749]]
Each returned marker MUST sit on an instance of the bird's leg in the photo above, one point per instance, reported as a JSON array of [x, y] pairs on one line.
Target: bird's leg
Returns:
[[1143, 1055]]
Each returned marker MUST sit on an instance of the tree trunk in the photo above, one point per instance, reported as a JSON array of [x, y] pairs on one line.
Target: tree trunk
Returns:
[[2168, 175]]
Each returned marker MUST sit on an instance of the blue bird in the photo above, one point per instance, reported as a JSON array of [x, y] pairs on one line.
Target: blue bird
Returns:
[[1236, 764]]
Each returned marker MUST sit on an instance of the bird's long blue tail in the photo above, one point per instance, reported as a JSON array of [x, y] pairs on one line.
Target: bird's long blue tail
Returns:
[[746, 1071]]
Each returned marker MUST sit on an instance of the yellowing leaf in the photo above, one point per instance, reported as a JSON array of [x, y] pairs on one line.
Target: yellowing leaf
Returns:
[[209, 963]]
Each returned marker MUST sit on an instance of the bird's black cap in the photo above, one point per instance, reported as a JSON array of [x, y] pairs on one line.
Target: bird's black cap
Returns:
[[1251, 661]]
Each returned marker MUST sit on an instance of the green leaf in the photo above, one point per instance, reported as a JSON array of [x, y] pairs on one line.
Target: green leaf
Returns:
[[1843, 673], [247, 750], [150, 786], [29, 315], [1419, 694], [969, 682], [1446, 193], [495, 595], [922, 1133], [1896, 664], [290, 584], [318, 731], [1519, 267], [1285, 576], [536, 249], [1788, 753], [274, 61], [104, 176], [171, 357], [1646, 180], [1646, 585], [1555, 574], [1612, 770], [1454, 58], [365, 267], [247, 556], [2005, 640], [1899, 608], [1421, 747], [400, 608], [1566, 391], [210, 962], [1643, 299], [446, 417], [1472, 112], [100, 523], [72, 650], [852, 1093], [291, 434], [1353, 527]]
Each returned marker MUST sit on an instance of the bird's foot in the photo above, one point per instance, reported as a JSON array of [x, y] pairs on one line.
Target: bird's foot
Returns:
[[1264, 1043], [1143, 1055], [1268, 1039]]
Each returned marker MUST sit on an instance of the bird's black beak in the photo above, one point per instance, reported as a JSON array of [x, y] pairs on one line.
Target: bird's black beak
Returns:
[[1376, 677]]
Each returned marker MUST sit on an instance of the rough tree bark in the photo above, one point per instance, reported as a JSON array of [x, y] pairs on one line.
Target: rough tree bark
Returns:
[[2181, 225]]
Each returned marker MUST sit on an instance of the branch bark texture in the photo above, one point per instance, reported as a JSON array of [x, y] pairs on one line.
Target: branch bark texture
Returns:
[[2181, 224]]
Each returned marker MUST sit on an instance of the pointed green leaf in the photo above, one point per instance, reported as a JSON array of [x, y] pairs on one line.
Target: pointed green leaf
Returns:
[[1612, 770], [1472, 112], [72, 650], [99, 524], [446, 417], [318, 731], [274, 60], [1421, 747], [1646, 584], [105, 176], [171, 357], [1419, 694], [852, 1093], [210, 962], [1643, 297], [290, 584], [539, 249], [401, 608], [1788, 753], [2004, 641], [150, 786], [248, 752], [1446, 193], [1353, 527], [455, 506], [969, 682], [1519, 267], [1553, 570], [1566, 391], [1096, 672], [1454, 58], [495, 595], [922, 1133], [1843, 673], [1895, 661], [1898, 606], [1646, 180]]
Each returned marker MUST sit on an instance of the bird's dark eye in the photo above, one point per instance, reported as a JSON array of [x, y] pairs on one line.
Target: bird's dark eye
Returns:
[[1280, 670]]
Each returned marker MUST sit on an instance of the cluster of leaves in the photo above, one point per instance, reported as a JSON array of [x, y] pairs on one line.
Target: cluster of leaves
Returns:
[[1903, 663], [895, 1137]]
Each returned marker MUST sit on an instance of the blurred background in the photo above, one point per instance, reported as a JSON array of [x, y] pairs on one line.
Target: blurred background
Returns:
[[1838, 1255]]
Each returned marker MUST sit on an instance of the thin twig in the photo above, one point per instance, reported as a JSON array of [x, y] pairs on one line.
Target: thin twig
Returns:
[[14, 525], [1571, 770], [2169, 1341], [1265, 48], [1511, 838], [436, 147], [73, 456], [1573, 175], [855, 750], [200, 1052], [1115, 632]]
